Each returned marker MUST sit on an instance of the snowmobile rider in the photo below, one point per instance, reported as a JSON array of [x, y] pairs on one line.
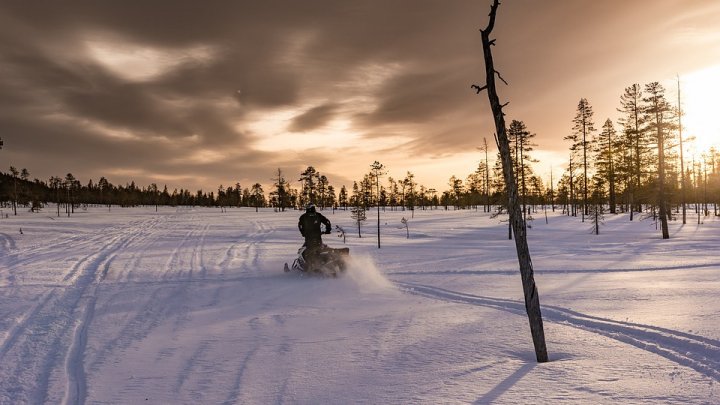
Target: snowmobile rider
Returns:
[[310, 227]]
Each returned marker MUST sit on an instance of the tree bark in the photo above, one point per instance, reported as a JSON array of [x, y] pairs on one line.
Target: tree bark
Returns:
[[532, 300]]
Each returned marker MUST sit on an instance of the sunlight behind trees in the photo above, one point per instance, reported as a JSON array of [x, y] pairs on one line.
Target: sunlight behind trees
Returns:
[[700, 91]]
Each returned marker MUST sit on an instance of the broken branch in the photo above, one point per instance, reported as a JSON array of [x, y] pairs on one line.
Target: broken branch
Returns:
[[501, 78], [477, 88]]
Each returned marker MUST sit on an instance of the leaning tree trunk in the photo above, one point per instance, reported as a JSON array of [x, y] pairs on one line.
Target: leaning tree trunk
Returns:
[[532, 300]]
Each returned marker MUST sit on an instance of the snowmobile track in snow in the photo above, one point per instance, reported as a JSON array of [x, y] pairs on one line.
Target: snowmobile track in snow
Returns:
[[697, 352], [46, 346]]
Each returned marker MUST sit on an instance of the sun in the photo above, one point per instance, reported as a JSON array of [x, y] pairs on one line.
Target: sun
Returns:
[[700, 91]]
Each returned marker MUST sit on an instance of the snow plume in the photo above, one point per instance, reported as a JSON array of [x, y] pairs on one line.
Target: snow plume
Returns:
[[362, 270]]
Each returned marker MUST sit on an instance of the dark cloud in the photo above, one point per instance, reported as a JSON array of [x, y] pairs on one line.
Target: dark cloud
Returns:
[[419, 97], [216, 71], [313, 118]]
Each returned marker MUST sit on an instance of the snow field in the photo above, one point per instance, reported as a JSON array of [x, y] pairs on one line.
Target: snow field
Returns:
[[192, 306]]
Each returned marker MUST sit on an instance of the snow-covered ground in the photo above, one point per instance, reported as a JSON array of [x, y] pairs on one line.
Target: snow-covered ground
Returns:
[[192, 306]]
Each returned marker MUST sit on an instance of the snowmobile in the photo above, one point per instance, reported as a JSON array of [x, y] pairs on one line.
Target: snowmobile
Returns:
[[321, 261]]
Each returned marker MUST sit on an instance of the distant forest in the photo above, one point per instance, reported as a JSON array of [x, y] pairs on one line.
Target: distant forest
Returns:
[[639, 169]]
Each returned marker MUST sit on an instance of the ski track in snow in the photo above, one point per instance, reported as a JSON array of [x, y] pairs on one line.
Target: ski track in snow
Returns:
[[699, 353], [51, 330]]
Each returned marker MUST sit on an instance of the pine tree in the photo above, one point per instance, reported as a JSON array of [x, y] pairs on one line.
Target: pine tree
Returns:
[[456, 190], [281, 192], [433, 199], [522, 140], [309, 179], [474, 185], [359, 215], [24, 175], [597, 211], [423, 197], [562, 193], [606, 147], [55, 183], [366, 191], [322, 187], [257, 196], [410, 192], [683, 182], [343, 197], [14, 172], [537, 191], [238, 197], [330, 198], [70, 187], [658, 112], [572, 211], [501, 190], [356, 198], [484, 171], [393, 193], [583, 127], [634, 142]]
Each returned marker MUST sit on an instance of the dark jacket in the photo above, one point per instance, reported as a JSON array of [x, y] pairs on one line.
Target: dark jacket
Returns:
[[310, 228]]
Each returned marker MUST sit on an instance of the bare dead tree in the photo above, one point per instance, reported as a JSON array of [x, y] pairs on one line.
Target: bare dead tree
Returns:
[[532, 300], [377, 170]]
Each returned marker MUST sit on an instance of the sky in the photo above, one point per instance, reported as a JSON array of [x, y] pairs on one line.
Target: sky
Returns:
[[196, 95]]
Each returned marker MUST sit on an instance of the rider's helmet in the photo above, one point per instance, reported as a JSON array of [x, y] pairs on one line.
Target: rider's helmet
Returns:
[[310, 208]]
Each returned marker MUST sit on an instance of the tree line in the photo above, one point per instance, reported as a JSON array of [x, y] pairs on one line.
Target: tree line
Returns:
[[68, 193], [640, 168]]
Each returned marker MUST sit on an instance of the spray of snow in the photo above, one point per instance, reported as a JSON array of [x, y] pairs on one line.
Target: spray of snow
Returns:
[[363, 271]]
